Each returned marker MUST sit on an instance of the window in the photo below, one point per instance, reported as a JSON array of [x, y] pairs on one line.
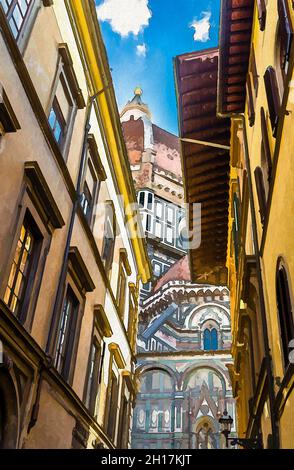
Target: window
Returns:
[[285, 35], [8, 119], [266, 159], [94, 174], [259, 181], [123, 425], [61, 111], [132, 315], [284, 310], [112, 408], [17, 12], [121, 289], [30, 245], [261, 9], [66, 333], [93, 375], [66, 99], [157, 269], [86, 201], [273, 97], [161, 219], [57, 121], [63, 343], [210, 339], [250, 100], [109, 236], [236, 227], [23, 268]]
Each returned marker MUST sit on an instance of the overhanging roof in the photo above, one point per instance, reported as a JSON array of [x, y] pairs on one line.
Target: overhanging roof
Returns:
[[205, 167], [234, 44]]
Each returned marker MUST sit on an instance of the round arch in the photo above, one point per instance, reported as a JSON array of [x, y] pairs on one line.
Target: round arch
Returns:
[[224, 378], [199, 308], [152, 367]]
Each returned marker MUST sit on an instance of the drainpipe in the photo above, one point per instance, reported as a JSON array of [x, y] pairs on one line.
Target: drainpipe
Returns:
[[268, 358], [63, 273]]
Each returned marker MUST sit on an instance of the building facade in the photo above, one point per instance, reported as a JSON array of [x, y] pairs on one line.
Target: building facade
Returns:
[[236, 122], [260, 252], [71, 260], [183, 342]]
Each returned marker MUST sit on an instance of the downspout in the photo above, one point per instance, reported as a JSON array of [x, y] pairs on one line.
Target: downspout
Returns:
[[268, 358], [61, 283]]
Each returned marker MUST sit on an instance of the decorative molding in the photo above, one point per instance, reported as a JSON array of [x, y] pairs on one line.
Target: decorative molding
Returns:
[[96, 157], [129, 379], [125, 261], [118, 357], [8, 119], [41, 190], [80, 269], [71, 75], [102, 322]]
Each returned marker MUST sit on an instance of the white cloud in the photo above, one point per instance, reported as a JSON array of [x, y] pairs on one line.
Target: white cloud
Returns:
[[202, 27], [141, 50], [125, 16]]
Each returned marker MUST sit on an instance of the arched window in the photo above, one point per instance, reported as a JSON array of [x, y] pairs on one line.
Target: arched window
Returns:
[[214, 342], [284, 310], [210, 339]]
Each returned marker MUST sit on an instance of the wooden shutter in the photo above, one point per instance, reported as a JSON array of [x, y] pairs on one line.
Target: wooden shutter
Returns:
[[236, 244], [253, 70], [261, 8], [260, 193], [265, 142], [285, 311], [250, 102], [285, 26], [236, 227], [273, 97]]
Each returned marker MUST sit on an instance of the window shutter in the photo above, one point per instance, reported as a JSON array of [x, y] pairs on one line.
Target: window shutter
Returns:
[[265, 142], [286, 28], [253, 70], [236, 228], [273, 97], [261, 8], [260, 192], [236, 204], [285, 311], [250, 102], [236, 244]]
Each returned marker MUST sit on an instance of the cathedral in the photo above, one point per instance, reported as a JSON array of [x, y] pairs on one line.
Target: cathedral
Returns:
[[184, 331]]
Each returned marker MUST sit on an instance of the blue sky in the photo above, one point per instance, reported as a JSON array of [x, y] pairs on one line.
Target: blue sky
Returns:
[[143, 36]]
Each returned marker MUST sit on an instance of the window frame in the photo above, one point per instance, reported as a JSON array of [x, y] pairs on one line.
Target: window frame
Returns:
[[66, 368], [80, 282], [37, 199], [66, 77], [27, 221], [60, 77], [98, 174], [109, 222], [124, 272], [133, 309], [285, 319], [92, 387]]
